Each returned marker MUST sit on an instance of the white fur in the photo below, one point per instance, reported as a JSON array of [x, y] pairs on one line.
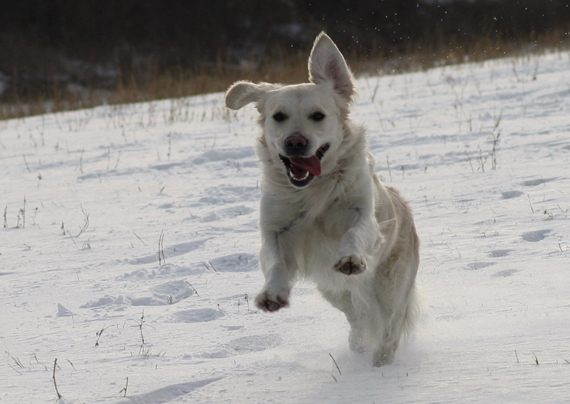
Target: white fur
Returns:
[[343, 220]]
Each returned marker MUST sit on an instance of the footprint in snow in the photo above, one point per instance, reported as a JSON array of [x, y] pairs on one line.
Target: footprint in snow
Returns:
[[197, 315], [224, 214], [243, 345], [474, 266], [499, 253], [255, 343], [229, 194], [534, 236], [166, 293], [511, 194], [235, 153], [171, 292], [169, 252], [505, 273], [539, 181], [165, 271], [235, 263]]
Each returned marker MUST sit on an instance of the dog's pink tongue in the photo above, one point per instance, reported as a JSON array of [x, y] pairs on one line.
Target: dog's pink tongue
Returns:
[[310, 164]]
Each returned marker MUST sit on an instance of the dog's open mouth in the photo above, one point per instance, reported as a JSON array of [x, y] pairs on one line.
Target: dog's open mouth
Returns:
[[302, 170]]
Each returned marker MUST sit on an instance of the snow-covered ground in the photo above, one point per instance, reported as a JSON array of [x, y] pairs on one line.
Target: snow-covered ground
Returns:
[[130, 243]]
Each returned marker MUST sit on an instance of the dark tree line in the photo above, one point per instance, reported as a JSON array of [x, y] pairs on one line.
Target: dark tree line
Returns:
[[36, 35]]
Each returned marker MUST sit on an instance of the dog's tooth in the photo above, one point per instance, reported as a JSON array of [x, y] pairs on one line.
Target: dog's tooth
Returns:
[[299, 179]]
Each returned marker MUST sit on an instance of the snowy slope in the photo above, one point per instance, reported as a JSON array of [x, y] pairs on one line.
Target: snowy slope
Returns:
[[137, 259]]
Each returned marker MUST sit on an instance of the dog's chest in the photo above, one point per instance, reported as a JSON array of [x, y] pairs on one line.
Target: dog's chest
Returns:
[[315, 238]]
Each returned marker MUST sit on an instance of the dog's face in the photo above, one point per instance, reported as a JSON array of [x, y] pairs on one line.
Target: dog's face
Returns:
[[302, 122], [300, 125]]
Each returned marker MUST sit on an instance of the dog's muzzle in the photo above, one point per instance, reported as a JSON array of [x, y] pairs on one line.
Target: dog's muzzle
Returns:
[[302, 170]]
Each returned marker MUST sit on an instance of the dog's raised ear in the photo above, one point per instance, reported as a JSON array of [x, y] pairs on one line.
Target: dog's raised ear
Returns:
[[242, 93], [326, 63]]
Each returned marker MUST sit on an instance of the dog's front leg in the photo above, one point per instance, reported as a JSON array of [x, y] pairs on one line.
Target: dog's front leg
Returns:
[[278, 276], [276, 225], [275, 292], [362, 232], [360, 237]]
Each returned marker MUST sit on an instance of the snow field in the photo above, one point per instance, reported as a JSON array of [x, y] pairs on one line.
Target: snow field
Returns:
[[138, 255]]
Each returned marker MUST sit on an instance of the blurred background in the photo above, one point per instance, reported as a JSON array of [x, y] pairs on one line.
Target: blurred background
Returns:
[[63, 54]]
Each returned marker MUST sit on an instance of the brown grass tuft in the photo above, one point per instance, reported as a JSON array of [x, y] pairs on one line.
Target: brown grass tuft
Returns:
[[145, 83]]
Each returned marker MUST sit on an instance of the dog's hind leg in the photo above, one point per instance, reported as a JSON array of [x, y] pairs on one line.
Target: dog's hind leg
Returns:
[[384, 354], [400, 322], [343, 302]]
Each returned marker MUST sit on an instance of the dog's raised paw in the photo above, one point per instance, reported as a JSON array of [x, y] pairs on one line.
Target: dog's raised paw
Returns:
[[351, 265], [266, 302]]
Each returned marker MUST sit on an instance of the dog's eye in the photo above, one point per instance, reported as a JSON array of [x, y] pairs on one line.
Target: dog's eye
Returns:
[[279, 117], [317, 116]]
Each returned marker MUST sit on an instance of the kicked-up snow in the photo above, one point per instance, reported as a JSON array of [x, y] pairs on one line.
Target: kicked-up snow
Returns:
[[130, 240]]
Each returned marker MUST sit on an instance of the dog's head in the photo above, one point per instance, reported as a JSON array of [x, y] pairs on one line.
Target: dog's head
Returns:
[[302, 122]]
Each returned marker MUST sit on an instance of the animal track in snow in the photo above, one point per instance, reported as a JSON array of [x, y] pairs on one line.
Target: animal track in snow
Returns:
[[474, 266], [226, 213], [235, 153], [169, 252], [197, 315], [229, 194], [242, 345], [505, 273], [255, 343], [172, 292], [499, 253], [539, 181], [166, 293], [165, 271], [236, 263], [511, 194], [534, 236]]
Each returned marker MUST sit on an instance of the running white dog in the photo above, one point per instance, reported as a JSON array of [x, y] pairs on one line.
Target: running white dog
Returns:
[[325, 215]]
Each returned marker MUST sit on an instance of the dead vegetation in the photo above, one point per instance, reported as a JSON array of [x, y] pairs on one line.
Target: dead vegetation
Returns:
[[146, 85]]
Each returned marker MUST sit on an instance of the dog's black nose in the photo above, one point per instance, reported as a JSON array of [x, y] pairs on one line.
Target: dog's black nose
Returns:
[[296, 145]]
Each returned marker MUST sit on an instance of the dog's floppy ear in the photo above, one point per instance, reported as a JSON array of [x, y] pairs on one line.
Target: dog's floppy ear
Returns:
[[242, 93], [326, 63]]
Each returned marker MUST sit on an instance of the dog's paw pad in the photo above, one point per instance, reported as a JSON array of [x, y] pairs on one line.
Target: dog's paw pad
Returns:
[[266, 302], [351, 265]]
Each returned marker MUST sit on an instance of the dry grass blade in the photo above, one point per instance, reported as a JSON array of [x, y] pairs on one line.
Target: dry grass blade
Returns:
[[336, 365], [59, 396]]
